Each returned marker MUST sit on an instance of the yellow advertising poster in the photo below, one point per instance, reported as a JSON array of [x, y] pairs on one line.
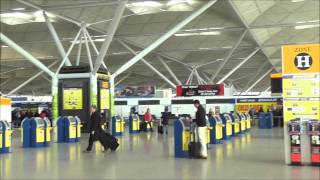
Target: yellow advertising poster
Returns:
[[308, 108], [301, 85], [72, 99], [244, 104], [303, 58], [104, 99]]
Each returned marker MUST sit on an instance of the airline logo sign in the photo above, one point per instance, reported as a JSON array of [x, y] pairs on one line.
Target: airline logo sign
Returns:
[[301, 58], [303, 61]]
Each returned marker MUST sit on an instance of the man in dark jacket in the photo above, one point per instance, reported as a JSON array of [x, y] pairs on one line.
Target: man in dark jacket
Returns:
[[95, 129], [201, 129], [165, 119]]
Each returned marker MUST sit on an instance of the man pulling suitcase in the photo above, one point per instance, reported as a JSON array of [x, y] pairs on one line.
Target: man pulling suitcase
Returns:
[[95, 130]]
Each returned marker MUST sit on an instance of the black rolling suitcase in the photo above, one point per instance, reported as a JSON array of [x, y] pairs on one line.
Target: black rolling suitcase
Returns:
[[109, 141], [194, 147], [160, 128]]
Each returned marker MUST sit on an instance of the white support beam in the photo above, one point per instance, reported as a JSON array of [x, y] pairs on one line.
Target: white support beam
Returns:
[[268, 89], [45, 77], [238, 66], [30, 79], [56, 39], [69, 50], [207, 79], [88, 49], [169, 70], [255, 76], [122, 79], [35, 6], [160, 54], [258, 80], [94, 46], [163, 38], [190, 77], [79, 5], [228, 56], [25, 54], [198, 77], [79, 51], [5, 82], [111, 31], [202, 81], [236, 10], [207, 63], [148, 64]]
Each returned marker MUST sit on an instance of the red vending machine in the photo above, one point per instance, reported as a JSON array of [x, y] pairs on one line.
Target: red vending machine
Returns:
[[295, 141], [314, 133]]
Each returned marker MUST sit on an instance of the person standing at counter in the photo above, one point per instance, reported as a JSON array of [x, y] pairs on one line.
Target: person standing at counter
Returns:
[[148, 118], [201, 127]]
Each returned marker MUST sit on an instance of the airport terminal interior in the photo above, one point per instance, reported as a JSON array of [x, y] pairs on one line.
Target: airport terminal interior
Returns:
[[160, 89]]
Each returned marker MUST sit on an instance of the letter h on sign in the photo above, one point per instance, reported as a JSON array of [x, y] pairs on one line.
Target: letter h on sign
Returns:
[[303, 61]]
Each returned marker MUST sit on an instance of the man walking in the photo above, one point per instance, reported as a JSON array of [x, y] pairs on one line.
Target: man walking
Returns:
[[95, 129]]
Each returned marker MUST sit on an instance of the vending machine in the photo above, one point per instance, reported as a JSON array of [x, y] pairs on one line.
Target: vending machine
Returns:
[[314, 133], [294, 133]]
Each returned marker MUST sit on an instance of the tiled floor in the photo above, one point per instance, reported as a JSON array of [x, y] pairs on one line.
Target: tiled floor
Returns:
[[257, 155]]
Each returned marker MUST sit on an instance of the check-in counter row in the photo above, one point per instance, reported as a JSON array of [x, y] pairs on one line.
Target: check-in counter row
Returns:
[[220, 127]]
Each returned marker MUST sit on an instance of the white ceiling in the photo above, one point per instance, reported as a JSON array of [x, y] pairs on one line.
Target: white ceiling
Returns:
[[271, 24]]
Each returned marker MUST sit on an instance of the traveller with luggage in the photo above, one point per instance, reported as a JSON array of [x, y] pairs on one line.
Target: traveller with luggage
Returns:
[[199, 131], [97, 133]]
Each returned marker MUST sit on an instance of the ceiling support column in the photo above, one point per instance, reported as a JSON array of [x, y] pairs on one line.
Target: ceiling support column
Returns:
[[163, 38], [148, 64], [238, 66], [224, 62], [56, 39], [169, 70], [69, 50], [30, 79], [25, 54], [257, 81], [111, 31]]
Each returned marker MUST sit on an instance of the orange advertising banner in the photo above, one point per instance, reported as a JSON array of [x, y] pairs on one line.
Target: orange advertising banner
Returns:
[[301, 59]]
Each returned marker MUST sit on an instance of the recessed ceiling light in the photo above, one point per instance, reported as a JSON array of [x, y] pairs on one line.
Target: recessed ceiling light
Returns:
[[15, 18], [18, 9], [209, 33], [306, 26], [4, 46], [294, 1], [146, 3]]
